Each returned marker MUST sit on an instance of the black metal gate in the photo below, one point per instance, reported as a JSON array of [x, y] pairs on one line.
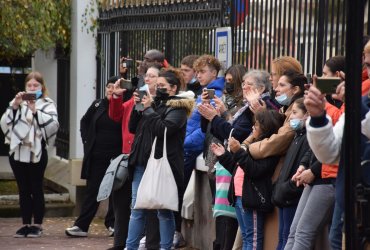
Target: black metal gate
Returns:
[[178, 29], [310, 30]]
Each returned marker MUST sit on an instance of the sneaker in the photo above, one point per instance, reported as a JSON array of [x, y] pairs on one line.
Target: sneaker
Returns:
[[22, 232], [110, 231], [75, 231], [34, 232], [178, 240], [142, 244]]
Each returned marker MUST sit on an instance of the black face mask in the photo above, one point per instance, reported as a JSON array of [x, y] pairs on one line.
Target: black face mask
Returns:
[[161, 93], [229, 88]]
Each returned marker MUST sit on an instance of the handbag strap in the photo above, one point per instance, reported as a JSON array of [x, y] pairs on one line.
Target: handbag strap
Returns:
[[164, 145], [231, 132]]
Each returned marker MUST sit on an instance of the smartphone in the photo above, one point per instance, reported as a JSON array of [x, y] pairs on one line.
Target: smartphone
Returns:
[[126, 84], [211, 93], [29, 97], [328, 85], [309, 78], [140, 106], [129, 63], [142, 93]]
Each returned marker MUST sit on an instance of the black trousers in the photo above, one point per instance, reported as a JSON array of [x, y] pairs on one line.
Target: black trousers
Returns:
[[30, 179], [152, 234], [226, 229], [90, 205], [121, 205]]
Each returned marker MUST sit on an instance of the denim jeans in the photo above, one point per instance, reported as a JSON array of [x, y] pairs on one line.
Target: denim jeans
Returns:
[[336, 228], [286, 215], [251, 223], [137, 219]]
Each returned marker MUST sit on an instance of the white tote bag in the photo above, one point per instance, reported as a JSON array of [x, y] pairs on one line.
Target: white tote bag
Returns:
[[157, 188]]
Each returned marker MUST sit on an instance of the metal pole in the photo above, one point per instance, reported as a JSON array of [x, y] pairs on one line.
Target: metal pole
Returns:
[[355, 24], [320, 37]]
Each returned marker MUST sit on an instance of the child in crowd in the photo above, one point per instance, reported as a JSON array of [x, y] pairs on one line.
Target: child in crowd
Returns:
[[251, 187], [286, 193]]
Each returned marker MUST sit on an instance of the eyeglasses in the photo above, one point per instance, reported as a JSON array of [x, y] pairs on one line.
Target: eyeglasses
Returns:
[[150, 76], [247, 83]]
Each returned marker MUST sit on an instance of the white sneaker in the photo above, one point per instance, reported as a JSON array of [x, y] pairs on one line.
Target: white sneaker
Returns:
[[75, 231], [110, 231], [142, 244], [178, 240]]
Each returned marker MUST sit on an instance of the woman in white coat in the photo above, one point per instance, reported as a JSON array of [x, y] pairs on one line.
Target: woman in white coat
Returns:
[[30, 125]]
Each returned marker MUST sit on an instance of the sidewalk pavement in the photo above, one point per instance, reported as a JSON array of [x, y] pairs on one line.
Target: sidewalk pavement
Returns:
[[54, 237]]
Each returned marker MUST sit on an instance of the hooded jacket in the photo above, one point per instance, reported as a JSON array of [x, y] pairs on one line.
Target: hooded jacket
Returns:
[[285, 192], [194, 140], [150, 123]]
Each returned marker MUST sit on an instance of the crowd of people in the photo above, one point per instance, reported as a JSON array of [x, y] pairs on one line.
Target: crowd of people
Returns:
[[271, 141]]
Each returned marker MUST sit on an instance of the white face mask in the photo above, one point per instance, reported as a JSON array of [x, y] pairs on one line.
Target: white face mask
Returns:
[[283, 99]]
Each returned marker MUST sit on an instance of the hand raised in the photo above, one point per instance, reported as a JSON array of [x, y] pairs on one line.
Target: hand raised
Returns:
[[234, 144], [217, 149]]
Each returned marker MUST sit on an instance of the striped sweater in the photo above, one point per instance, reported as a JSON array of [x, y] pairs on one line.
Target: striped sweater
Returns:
[[25, 131], [222, 206]]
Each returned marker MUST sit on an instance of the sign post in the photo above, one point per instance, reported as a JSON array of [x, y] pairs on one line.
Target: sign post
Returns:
[[223, 46]]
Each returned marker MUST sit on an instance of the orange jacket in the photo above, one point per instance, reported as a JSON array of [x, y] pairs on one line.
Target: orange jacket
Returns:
[[365, 87]]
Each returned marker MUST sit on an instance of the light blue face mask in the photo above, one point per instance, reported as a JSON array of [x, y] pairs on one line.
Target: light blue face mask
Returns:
[[38, 93], [296, 123], [283, 99]]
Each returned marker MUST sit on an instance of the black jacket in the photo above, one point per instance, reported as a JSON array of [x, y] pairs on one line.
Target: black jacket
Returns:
[[257, 186], [285, 192], [171, 114], [97, 109]]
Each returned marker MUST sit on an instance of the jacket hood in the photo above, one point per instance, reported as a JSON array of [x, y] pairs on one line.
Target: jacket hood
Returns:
[[217, 84], [180, 102]]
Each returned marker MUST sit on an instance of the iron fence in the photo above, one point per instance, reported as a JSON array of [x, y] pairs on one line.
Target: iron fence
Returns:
[[178, 28], [310, 30]]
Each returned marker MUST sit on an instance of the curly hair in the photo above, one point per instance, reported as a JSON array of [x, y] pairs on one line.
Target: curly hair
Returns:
[[207, 60]]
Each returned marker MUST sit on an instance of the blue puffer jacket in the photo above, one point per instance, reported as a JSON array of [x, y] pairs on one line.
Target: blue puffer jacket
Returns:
[[194, 139]]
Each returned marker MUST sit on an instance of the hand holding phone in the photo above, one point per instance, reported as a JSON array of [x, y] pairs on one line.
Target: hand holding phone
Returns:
[[140, 94]]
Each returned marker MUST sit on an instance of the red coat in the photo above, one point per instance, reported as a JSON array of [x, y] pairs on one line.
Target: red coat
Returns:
[[121, 111]]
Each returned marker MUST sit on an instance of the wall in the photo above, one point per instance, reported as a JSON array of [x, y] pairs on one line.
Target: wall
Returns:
[[83, 76], [45, 63]]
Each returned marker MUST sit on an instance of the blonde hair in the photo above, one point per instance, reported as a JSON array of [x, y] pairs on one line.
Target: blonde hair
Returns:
[[284, 63], [367, 48], [207, 60]]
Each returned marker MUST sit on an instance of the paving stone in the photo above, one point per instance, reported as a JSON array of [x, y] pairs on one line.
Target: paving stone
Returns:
[[54, 236]]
